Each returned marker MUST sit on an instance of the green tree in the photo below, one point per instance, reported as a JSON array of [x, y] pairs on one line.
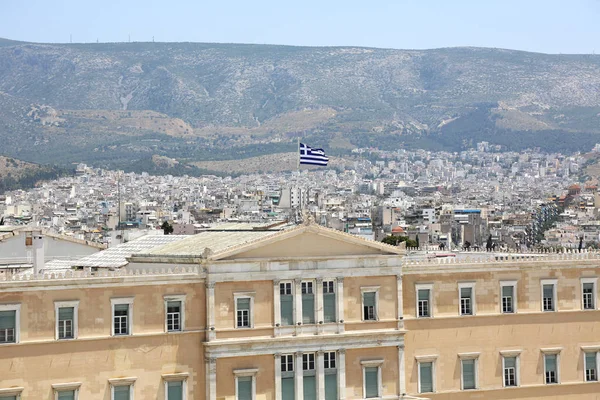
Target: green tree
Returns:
[[167, 228], [395, 240]]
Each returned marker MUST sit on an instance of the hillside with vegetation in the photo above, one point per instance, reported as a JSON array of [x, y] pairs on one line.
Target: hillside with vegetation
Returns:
[[119, 103]]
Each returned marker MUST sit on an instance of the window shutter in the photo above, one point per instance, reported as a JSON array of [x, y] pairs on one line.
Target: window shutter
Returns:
[[122, 307], [65, 313], [371, 383], [369, 299], [287, 389], [331, 387], [510, 362], [243, 304], [424, 294], [287, 310], [507, 291], [329, 307], [66, 395], [590, 360], [244, 388], [8, 319], [426, 377], [468, 374], [121, 392], [9, 398], [548, 291], [173, 306], [310, 388], [465, 292], [308, 309], [550, 362]]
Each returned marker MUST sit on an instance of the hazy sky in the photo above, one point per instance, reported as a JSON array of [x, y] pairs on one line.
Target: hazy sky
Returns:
[[549, 26]]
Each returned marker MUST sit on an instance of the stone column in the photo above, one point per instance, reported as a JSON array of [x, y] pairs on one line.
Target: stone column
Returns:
[[320, 375], [401, 371], [342, 374], [276, 306], [211, 378], [400, 302], [297, 303], [339, 297], [210, 310], [319, 317], [299, 377], [277, 376]]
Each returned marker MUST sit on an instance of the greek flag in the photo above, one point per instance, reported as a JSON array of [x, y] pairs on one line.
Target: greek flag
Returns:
[[311, 156]]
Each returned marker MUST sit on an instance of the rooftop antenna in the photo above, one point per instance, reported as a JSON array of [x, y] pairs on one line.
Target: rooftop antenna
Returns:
[[70, 38], [130, 38], [152, 39]]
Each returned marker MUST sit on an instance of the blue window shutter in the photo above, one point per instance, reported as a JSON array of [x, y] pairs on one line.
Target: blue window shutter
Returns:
[[287, 310], [244, 388], [468, 370], [371, 382], [310, 388], [121, 392], [369, 299], [287, 389], [308, 309], [329, 307], [8, 319], [66, 395], [426, 371], [331, 387]]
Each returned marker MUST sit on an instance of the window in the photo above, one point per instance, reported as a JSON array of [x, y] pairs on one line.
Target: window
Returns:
[[467, 302], [309, 381], [122, 316], [244, 303], [65, 395], [369, 300], [551, 368], [329, 301], [175, 390], [591, 366], [508, 297], [308, 303], [66, 319], [329, 361], [286, 300], [122, 392], [287, 377], [588, 293], [371, 378], [426, 377], [469, 380], [13, 393], [549, 295], [244, 388], [9, 323], [174, 308], [510, 371], [423, 303]]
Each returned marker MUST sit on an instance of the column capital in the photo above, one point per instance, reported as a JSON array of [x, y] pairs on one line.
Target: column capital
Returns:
[[210, 360], [340, 279], [276, 282], [277, 355], [319, 281], [320, 352], [342, 352], [399, 277], [299, 354], [209, 285], [400, 347], [298, 281]]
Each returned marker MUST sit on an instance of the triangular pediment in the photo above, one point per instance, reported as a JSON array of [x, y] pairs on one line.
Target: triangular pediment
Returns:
[[308, 241]]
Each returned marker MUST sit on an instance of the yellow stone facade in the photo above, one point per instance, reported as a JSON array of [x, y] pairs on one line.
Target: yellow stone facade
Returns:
[[375, 350]]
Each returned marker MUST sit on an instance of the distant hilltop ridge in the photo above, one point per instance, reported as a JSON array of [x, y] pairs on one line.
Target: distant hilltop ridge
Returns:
[[82, 102]]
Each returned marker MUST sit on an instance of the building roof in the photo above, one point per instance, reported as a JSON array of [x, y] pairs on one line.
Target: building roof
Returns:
[[116, 257]]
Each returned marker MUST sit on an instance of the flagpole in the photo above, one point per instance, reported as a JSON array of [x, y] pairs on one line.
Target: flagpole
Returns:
[[298, 154]]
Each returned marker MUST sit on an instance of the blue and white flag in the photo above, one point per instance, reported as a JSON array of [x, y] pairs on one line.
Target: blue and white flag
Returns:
[[311, 156]]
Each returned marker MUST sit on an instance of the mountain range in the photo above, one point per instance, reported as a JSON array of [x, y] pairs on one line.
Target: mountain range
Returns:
[[119, 104]]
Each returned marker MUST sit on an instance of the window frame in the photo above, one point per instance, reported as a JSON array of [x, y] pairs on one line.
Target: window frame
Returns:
[[596, 352], [180, 377], [166, 300], [369, 289], [285, 370], [67, 304], [554, 283], [122, 382], [327, 360], [120, 301], [469, 357], [286, 284], [245, 373], [244, 295], [13, 391], [594, 282], [372, 364], [555, 351], [332, 293], [467, 285], [64, 387], [424, 286], [426, 359], [514, 297], [313, 292], [517, 356], [16, 307]]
